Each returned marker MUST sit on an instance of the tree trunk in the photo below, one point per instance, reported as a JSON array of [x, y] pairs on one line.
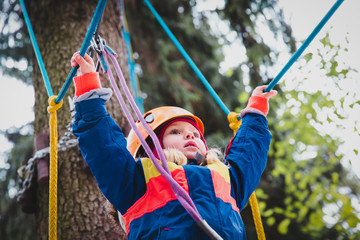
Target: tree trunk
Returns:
[[60, 28]]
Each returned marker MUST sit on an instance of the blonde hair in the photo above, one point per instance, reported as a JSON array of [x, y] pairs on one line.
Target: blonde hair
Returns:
[[174, 155]]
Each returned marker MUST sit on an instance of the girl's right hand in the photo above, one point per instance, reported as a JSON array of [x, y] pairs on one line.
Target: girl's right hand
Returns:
[[259, 91], [86, 64]]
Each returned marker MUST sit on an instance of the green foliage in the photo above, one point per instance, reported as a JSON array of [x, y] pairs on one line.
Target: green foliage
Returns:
[[15, 224], [305, 192], [243, 16], [15, 48], [307, 173]]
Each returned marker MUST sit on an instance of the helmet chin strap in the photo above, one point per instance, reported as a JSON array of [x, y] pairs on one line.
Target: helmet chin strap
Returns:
[[200, 159], [163, 168]]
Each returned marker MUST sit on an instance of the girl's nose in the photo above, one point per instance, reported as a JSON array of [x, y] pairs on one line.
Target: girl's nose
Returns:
[[189, 135]]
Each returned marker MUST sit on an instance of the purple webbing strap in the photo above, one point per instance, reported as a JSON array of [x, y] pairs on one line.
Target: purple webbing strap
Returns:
[[179, 192], [139, 115]]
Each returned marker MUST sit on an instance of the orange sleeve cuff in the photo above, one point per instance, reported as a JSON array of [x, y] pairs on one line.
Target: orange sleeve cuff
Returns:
[[258, 103], [86, 82]]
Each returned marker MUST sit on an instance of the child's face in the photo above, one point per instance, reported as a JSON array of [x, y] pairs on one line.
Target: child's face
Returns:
[[184, 137]]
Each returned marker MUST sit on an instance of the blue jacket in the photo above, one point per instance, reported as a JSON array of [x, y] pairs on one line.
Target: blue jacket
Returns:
[[150, 209]]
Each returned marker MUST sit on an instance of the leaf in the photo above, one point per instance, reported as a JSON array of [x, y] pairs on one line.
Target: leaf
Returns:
[[243, 97], [302, 212], [298, 175], [353, 221], [229, 72], [335, 177], [308, 57], [270, 221], [283, 226], [268, 213], [261, 194], [316, 221]]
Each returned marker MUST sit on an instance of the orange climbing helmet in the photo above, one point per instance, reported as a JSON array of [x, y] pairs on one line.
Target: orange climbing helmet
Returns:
[[156, 118]]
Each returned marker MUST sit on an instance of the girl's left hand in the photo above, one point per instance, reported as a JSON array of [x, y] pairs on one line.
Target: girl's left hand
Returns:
[[259, 91]]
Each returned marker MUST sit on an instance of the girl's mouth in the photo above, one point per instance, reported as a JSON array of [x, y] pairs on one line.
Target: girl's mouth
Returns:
[[190, 144]]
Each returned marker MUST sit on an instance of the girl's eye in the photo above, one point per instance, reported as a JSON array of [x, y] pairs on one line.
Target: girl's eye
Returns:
[[174, 131], [196, 134]]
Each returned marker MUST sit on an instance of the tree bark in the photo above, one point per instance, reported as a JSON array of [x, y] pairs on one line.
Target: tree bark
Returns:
[[60, 28]]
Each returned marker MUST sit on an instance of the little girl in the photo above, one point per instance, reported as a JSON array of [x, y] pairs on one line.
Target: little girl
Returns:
[[149, 208]]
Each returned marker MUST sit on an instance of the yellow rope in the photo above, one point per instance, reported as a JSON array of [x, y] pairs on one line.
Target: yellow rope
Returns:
[[256, 215], [234, 124], [53, 107]]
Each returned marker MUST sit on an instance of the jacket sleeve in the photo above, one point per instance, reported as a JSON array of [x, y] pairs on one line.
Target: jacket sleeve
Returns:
[[247, 156], [103, 147]]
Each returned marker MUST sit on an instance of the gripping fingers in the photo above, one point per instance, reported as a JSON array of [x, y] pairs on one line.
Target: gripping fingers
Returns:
[[259, 91], [86, 64], [74, 63], [88, 59]]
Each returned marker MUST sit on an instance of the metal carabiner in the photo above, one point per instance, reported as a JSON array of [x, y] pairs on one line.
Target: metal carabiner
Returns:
[[98, 44]]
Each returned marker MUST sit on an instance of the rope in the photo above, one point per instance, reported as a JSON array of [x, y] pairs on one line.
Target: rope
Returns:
[[179, 192], [234, 121], [36, 49], [188, 59], [133, 77], [256, 215], [234, 124], [163, 169], [91, 30], [233, 118], [55, 104], [306, 43], [53, 107]]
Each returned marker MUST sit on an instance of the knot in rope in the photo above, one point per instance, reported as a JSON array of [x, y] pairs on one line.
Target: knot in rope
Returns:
[[234, 123], [53, 107]]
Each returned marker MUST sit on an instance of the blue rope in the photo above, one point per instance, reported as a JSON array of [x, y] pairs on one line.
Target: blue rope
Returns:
[[304, 45], [133, 77], [95, 20], [36, 49], [188, 59], [131, 63]]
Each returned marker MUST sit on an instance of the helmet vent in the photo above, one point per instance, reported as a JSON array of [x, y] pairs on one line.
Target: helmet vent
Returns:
[[149, 118]]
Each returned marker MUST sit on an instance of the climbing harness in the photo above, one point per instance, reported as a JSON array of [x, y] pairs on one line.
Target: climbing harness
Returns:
[[234, 118]]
